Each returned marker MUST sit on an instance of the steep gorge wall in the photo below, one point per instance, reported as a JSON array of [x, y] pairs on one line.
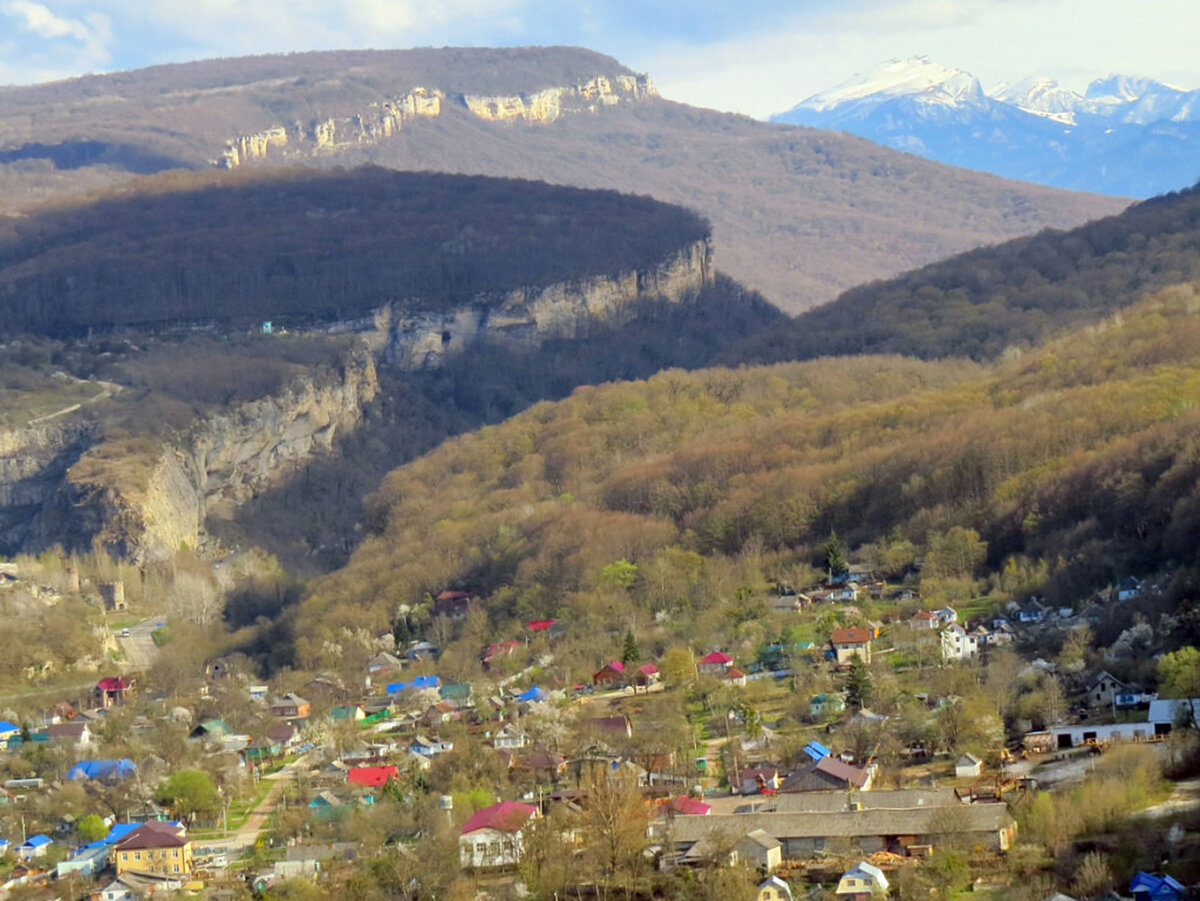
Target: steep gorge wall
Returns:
[[64, 483], [382, 120]]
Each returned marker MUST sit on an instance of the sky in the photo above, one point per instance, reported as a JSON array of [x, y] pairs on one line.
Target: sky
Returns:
[[755, 57]]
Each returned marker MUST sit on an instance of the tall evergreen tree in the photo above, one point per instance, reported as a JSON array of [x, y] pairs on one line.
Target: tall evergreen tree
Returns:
[[858, 684], [630, 653]]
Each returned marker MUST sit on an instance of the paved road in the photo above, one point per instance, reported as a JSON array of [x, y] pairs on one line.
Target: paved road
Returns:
[[139, 648]]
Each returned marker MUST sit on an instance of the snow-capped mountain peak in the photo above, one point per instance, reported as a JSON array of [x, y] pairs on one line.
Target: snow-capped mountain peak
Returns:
[[919, 76], [1041, 96], [1125, 89]]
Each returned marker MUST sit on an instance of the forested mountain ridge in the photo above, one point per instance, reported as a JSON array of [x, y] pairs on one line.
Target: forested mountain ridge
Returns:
[[305, 246], [146, 392], [798, 214], [1074, 464], [1015, 294]]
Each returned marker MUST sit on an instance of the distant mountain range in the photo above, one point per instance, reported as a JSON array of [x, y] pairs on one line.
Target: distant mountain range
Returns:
[[1132, 137]]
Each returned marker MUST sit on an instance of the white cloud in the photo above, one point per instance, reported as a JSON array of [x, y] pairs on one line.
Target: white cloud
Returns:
[[43, 22]]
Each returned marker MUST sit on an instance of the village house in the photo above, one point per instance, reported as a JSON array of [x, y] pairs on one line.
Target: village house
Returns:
[[861, 882], [510, 738], [646, 675], [610, 675], [968, 767], [715, 664], [734, 676], [923, 620], [774, 889], [113, 690], [160, 849], [1104, 690], [291, 707], [851, 642], [958, 644], [34, 847], [370, 776], [452, 604], [824, 774], [492, 837], [383, 663], [759, 848], [430, 747], [76, 734], [1129, 588], [760, 779]]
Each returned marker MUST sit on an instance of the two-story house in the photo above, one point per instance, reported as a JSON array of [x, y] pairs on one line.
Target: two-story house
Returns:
[[154, 847]]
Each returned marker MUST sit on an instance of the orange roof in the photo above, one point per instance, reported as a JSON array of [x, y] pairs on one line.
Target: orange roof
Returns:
[[851, 635]]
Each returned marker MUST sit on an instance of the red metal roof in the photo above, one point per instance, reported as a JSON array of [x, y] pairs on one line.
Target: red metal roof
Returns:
[[370, 776], [648, 669], [507, 816], [538, 625], [688, 806], [114, 683], [851, 635], [716, 657]]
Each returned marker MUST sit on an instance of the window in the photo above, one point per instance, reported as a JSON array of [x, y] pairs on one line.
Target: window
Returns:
[[175, 853], [176, 868], [124, 856], [137, 855]]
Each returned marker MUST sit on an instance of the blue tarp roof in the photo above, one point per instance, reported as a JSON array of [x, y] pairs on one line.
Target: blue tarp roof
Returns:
[[102, 769], [36, 841], [417, 683], [532, 694], [6, 726], [816, 750]]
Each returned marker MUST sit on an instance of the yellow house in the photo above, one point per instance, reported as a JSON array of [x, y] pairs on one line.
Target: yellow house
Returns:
[[157, 848]]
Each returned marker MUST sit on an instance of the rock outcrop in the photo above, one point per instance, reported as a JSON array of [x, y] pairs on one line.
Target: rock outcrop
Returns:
[[406, 337], [382, 120]]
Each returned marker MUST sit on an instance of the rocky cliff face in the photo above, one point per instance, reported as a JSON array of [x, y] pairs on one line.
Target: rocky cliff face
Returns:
[[33, 464], [143, 500], [382, 120], [419, 340]]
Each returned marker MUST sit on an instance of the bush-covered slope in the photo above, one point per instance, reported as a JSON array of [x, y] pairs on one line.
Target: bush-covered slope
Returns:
[[1076, 463], [1014, 294], [302, 244]]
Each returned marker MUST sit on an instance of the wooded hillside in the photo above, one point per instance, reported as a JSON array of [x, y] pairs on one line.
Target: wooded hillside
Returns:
[[303, 245], [1016, 294], [1075, 464]]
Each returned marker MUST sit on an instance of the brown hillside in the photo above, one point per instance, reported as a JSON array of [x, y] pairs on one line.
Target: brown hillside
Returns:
[[798, 214]]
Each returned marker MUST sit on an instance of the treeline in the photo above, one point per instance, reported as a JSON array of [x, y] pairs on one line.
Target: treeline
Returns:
[[1064, 470], [300, 246], [1015, 294]]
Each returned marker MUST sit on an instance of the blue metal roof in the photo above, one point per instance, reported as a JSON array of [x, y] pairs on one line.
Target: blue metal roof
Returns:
[[119, 831]]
